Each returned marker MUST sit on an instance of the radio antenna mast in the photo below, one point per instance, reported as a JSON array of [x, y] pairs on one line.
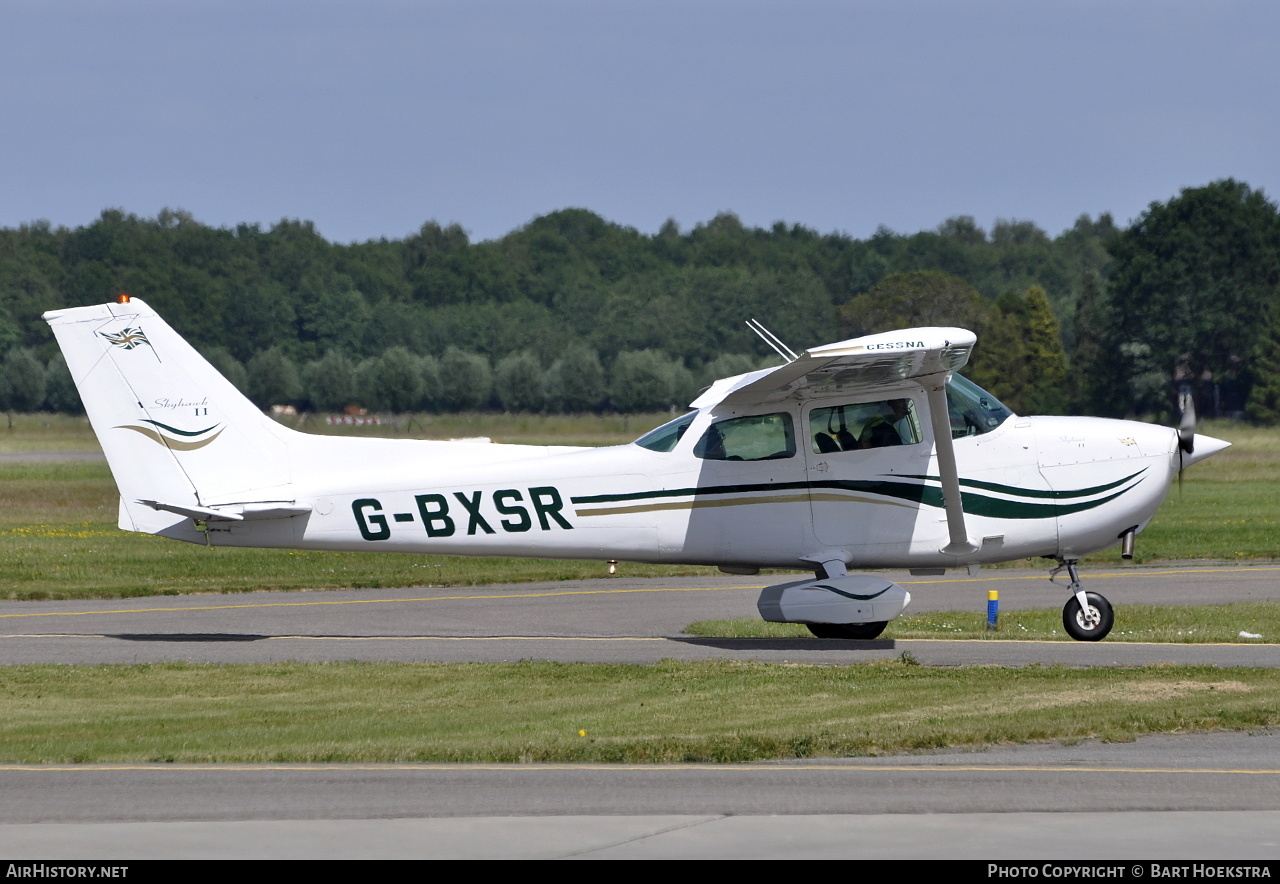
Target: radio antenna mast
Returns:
[[772, 340]]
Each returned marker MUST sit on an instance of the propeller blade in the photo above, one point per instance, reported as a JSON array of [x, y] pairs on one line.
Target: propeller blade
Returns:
[[1187, 424], [1181, 455]]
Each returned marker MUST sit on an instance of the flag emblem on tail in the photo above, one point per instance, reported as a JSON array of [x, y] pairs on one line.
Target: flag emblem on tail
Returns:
[[129, 338]]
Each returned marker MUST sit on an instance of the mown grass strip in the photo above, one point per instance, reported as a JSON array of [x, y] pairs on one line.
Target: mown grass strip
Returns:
[[94, 561], [549, 712], [1260, 621]]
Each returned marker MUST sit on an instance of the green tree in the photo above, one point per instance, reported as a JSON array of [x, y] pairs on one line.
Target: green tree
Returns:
[[259, 316], [726, 365], [22, 381], [395, 381], [684, 387], [60, 393], [1264, 399], [1195, 275], [273, 379], [518, 382], [647, 380], [1088, 386], [330, 383], [999, 362], [907, 300], [429, 368], [575, 382], [228, 366], [1046, 360], [1146, 384], [26, 292], [466, 380], [333, 314], [9, 330], [1020, 357]]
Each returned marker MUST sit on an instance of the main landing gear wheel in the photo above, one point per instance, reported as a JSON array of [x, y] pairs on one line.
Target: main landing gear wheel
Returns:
[[1089, 625], [862, 631]]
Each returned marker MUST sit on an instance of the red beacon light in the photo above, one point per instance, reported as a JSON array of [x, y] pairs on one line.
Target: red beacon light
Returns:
[[122, 298]]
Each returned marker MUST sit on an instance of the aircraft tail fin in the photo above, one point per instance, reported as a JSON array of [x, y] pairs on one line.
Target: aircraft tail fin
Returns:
[[178, 436]]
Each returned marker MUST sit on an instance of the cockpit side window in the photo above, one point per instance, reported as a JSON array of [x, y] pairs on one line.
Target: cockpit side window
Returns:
[[973, 411], [863, 425], [667, 436], [757, 437]]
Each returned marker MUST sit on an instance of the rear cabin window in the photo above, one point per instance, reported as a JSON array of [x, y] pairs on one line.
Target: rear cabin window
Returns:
[[758, 437], [864, 425]]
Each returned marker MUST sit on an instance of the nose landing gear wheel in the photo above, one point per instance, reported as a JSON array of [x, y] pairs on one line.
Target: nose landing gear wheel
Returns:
[[1088, 625], [862, 631]]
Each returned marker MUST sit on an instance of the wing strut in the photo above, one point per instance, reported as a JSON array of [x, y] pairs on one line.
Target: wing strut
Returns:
[[936, 387]]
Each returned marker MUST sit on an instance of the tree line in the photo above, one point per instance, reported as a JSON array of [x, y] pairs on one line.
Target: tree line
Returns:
[[574, 313]]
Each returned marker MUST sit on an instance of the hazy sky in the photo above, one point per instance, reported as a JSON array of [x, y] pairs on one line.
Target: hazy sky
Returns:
[[370, 118]]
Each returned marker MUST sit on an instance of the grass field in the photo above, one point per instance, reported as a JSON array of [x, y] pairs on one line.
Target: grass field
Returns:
[[547, 712], [58, 539]]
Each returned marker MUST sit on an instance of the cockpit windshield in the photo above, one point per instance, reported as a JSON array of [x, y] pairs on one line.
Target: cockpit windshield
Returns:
[[665, 437], [973, 410]]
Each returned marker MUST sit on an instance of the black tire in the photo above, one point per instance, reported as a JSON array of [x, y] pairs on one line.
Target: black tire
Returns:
[[1082, 629], [862, 631]]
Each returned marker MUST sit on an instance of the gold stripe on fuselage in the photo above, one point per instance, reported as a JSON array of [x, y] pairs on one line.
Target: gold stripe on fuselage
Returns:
[[738, 501]]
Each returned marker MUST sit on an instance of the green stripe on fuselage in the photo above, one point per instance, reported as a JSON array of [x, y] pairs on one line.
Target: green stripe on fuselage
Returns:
[[913, 492], [1034, 492]]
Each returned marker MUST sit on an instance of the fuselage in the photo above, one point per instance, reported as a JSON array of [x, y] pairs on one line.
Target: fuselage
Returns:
[[1031, 486]]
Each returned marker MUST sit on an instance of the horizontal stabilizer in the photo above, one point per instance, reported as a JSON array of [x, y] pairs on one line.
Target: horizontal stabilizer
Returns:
[[235, 512]]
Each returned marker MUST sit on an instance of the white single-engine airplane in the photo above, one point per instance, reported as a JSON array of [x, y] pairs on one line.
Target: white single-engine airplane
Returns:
[[868, 453]]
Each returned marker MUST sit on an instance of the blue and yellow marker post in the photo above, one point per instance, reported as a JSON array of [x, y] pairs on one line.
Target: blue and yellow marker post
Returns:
[[993, 609]]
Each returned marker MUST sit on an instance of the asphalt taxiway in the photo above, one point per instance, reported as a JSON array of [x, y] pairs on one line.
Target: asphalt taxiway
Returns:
[[608, 620]]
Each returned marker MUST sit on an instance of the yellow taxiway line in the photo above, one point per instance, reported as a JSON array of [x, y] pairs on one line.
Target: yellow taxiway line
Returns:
[[440, 598], [584, 592]]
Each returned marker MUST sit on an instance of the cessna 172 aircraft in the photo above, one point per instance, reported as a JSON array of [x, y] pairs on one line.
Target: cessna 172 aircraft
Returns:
[[868, 453]]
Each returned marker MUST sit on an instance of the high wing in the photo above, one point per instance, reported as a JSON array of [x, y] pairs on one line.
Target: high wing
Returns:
[[926, 355], [849, 366]]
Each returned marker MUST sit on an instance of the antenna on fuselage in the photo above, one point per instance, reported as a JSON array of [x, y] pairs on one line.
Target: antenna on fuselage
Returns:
[[772, 340]]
